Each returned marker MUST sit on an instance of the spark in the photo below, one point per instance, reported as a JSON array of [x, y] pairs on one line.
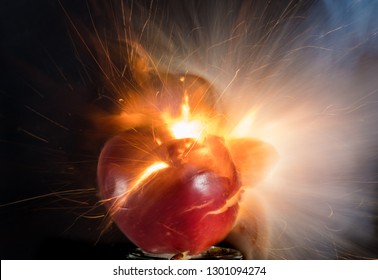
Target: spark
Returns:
[[46, 118], [34, 136], [73, 191]]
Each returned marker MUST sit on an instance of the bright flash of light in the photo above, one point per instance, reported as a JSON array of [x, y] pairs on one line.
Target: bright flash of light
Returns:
[[186, 126], [242, 128]]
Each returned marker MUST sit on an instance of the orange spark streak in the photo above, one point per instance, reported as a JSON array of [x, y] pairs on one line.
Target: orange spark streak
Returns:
[[149, 171]]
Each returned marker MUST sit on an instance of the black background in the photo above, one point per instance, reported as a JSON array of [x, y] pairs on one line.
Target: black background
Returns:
[[42, 80]]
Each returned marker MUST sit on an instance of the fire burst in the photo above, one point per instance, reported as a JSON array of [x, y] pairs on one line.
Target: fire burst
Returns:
[[282, 82], [279, 81], [289, 86]]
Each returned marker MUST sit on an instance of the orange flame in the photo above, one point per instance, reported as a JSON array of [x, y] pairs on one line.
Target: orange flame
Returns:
[[186, 126]]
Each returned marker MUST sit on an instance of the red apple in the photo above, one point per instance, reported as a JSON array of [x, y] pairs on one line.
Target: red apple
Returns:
[[169, 195]]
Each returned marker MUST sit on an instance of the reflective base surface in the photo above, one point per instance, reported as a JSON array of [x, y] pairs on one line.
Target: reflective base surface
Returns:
[[214, 253]]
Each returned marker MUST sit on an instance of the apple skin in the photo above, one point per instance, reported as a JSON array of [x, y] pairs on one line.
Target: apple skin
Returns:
[[188, 205]]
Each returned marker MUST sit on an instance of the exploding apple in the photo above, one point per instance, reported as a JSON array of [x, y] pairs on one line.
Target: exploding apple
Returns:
[[168, 195]]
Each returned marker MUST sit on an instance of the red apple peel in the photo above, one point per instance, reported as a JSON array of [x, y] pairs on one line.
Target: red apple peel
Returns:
[[180, 196]]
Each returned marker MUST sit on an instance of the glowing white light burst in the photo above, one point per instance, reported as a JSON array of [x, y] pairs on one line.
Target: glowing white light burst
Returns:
[[185, 126]]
